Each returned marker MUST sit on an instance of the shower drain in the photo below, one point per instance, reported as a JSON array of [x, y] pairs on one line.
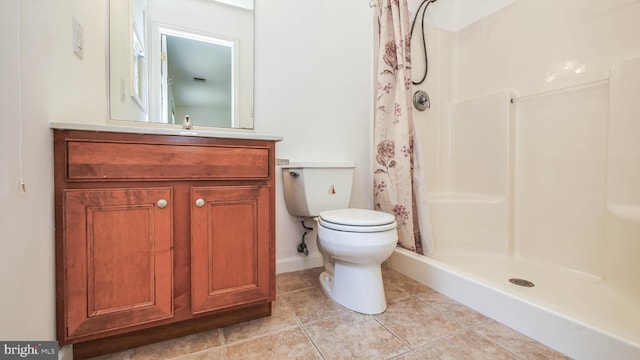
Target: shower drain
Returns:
[[521, 282]]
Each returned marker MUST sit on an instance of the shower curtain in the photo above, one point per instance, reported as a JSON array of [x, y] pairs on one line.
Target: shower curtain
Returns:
[[398, 180]]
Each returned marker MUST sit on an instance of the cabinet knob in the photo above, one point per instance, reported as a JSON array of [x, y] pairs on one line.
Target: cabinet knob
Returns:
[[200, 202], [162, 203]]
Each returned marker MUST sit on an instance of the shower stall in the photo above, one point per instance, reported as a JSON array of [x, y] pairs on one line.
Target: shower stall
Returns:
[[532, 150]]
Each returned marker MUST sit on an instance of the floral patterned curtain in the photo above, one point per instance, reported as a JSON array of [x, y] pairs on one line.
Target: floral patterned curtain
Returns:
[[393, 177]]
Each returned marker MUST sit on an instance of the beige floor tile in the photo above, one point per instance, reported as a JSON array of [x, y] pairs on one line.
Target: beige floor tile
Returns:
[[210, 354], [461, 313], [401, 281], [516, 342], [289, 344], [432, 297], [312, 304], [185, 345], [354, 336], [433, 325], [465, 346], [281, 318], [416, 323], [298, 280], [407, 356], [121, 355], [395, 285], [171, 349]]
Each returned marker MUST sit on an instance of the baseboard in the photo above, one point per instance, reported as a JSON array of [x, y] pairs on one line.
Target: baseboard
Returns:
[[300, 262], [65, 353]]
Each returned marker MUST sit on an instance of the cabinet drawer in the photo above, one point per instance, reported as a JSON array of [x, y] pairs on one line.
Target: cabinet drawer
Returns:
[[93, 160]]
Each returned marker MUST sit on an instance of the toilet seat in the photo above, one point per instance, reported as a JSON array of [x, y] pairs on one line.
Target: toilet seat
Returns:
[[357, 220]]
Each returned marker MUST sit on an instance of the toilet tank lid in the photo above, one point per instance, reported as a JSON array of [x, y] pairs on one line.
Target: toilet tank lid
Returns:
[[318, 164]]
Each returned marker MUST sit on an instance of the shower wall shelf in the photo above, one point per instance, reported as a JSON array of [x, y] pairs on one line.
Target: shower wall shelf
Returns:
[[562, 90]]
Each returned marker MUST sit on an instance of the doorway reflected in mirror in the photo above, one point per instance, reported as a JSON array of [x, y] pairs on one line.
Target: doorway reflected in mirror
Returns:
[[197, 80]]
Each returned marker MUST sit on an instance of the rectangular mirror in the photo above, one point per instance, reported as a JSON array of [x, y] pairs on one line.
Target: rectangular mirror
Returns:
[[171, 58]]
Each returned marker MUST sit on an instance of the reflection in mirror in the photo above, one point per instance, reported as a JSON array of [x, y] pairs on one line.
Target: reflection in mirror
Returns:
[[172, 58], [197, 80], [128, 61]]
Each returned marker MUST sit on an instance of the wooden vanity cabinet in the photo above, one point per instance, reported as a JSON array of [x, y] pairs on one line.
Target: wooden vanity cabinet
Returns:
[[159, 236]]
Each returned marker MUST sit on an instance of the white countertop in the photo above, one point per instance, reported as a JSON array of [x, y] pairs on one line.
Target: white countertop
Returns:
[[155, 130]]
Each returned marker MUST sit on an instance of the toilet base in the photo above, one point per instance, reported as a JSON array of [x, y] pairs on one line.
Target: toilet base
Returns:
[[358, 288]]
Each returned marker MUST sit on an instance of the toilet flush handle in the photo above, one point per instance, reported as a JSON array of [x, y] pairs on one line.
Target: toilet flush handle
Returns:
[[294, 173]]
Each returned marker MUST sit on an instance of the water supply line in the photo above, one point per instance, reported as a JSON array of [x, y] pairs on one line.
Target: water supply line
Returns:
[[421, 98], [302, 247], [424, 41]]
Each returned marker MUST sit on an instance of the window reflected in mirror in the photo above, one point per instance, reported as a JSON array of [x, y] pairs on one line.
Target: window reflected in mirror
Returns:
[[139, 72], [129, 90]]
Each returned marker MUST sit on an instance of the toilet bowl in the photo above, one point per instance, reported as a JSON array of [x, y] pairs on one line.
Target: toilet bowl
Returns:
[[354, 243]]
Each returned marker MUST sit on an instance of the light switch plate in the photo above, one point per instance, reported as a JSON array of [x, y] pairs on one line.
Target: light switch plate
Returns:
[[78, 38]]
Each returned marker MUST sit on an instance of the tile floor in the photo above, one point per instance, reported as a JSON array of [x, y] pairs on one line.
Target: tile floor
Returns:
[[305, 324]]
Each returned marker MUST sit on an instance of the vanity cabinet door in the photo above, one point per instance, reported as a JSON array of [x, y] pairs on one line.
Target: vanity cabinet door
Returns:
[[118, 258], [230, 255]]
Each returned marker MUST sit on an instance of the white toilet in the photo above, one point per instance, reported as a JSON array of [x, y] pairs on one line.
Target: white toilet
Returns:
[[353, 242]]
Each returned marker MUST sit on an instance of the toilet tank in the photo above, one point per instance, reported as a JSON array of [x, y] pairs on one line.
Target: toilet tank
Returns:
[[312, 187]]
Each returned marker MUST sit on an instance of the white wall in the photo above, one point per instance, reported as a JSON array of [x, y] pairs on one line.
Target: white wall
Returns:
[[50, 83], [313, 86], [26, 219], [70, 89], [534, 46]]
